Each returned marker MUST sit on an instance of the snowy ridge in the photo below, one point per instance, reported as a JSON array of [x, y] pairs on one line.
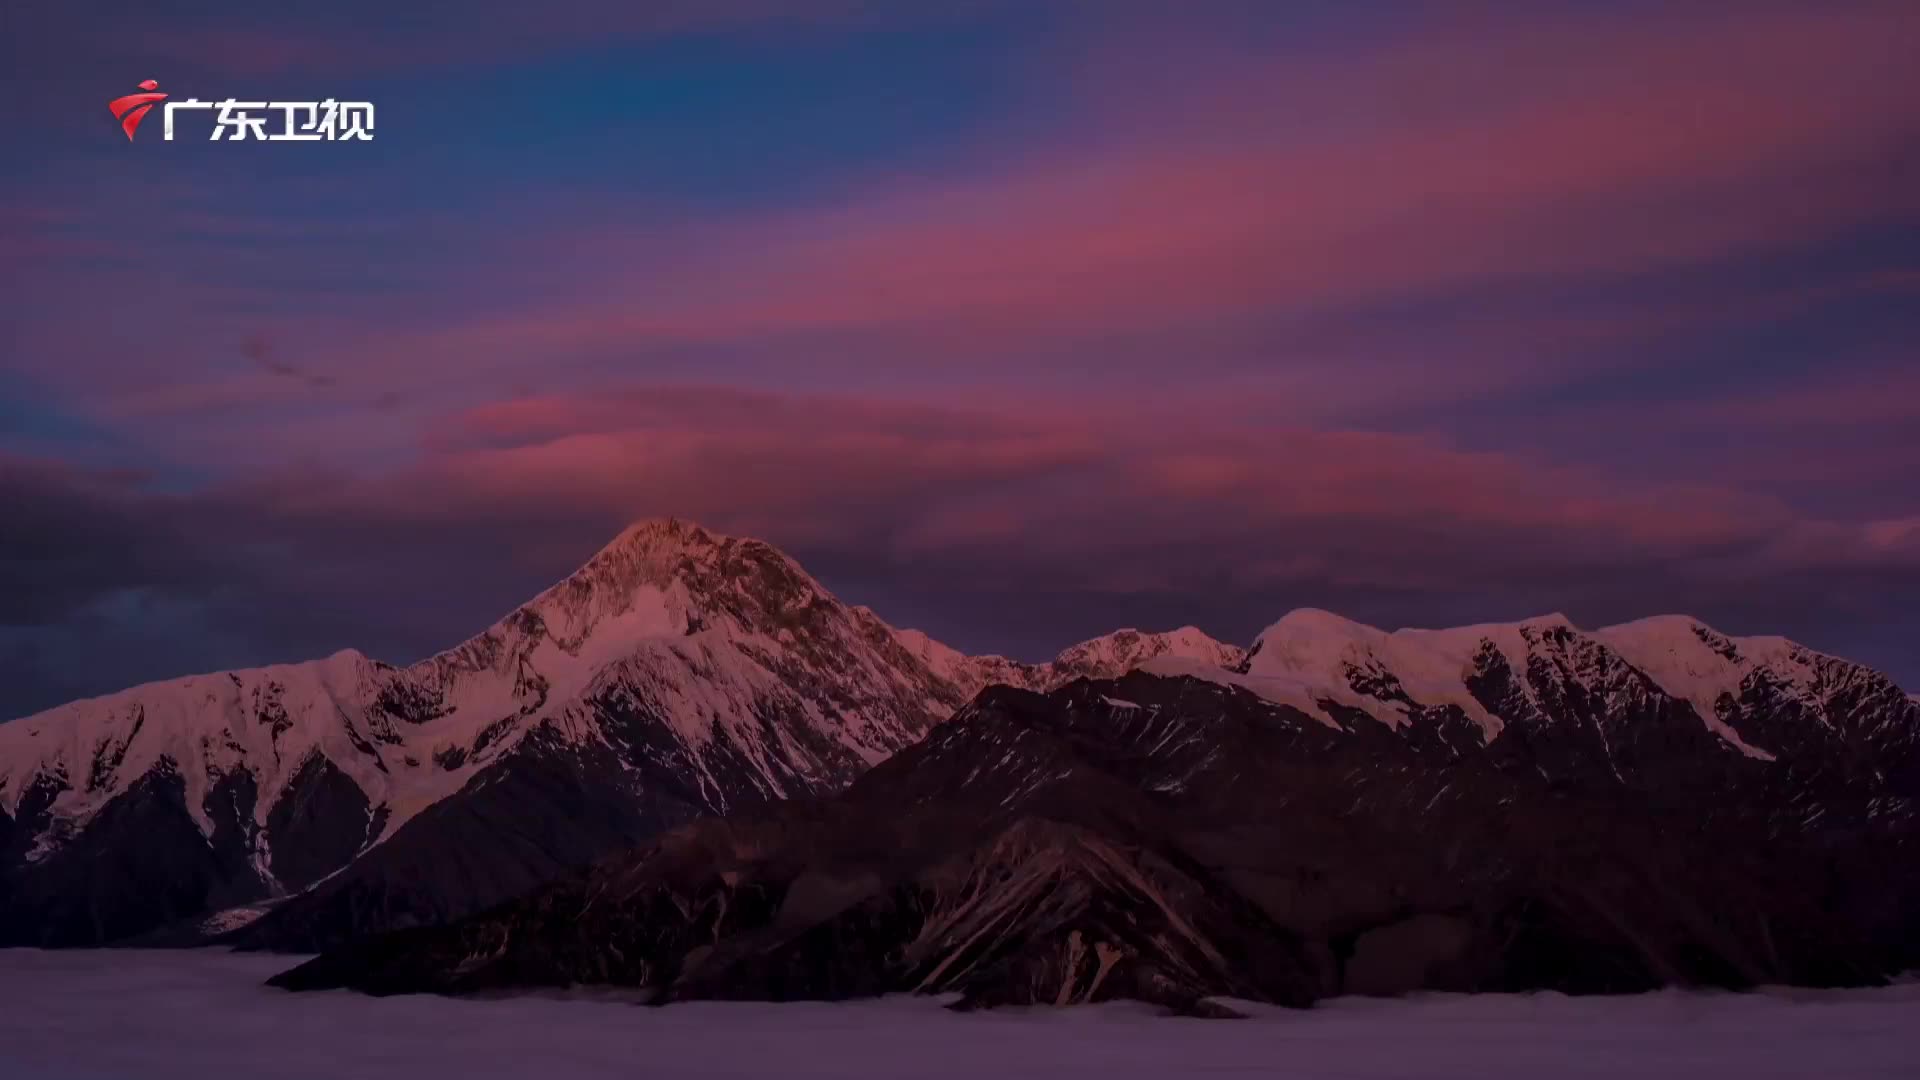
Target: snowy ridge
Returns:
[[668, 614], [1697, 663], [969, 673], [1314, 661], [707, 634], [1311, 659], [266, 721], [1105, 657], [1122, 651]]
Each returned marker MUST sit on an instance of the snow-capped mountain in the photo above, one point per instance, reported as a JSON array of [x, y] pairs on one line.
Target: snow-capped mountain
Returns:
[[677, 673], [680, 673], [1680, 721]]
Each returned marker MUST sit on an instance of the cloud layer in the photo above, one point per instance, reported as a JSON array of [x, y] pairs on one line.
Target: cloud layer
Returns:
[[1017, 323], [1019, 530]]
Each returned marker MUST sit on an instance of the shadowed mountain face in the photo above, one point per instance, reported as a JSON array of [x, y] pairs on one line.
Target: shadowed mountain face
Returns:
[[1172, 838]]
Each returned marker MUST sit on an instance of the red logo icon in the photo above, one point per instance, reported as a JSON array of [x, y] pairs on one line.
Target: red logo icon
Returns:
[[133, 108]]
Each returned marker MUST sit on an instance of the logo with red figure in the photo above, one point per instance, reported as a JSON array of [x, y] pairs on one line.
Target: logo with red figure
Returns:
[[238, 121], [133, 108]]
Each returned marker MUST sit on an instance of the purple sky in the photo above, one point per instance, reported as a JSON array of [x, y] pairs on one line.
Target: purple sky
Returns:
[[1018, 321]]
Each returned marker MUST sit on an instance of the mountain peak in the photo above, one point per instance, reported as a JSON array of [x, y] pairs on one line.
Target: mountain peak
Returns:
[[676, 671], [679, 548], [1112, 655], [657, 532], [659, 579], [1308, 639], [674, 554], [1318, 622], [662, 544], [1673, 625]]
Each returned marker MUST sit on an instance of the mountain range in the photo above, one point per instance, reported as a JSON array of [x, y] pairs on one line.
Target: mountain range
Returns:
[[688, 769], [678, 673]]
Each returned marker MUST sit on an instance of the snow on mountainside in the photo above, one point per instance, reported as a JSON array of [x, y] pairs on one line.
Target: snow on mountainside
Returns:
[[265, 722], [700, 626], [1124, 650], [1105, 657], [1740, 688], [408, 737], [968, 673], [677, 672]]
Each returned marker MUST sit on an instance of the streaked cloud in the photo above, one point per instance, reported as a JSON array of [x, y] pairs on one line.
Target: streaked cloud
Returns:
[[1428, 313]]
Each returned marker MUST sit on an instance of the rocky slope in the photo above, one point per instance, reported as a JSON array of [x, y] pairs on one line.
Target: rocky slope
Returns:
[[1174, 839], [678, 673]]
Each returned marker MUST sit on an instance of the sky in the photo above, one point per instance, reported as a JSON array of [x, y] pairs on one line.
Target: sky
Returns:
[[1018, 321]]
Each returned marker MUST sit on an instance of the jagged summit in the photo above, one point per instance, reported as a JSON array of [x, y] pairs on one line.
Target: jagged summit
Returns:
[[662, 545], [658, 580], [678, 671], [659, 551], [677, 668], [1111, 655], [662, 531]]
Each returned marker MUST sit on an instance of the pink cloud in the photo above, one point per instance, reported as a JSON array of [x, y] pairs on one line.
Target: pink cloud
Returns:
[[1084, 494], [1025, 516], [1463, 159], [1535, 149], [1625, 151]]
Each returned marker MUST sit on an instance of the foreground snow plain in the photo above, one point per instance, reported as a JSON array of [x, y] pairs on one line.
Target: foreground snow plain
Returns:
[[123, 1013]]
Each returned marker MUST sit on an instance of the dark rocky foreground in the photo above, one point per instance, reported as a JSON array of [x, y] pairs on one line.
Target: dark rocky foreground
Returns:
[[1174, 839]]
